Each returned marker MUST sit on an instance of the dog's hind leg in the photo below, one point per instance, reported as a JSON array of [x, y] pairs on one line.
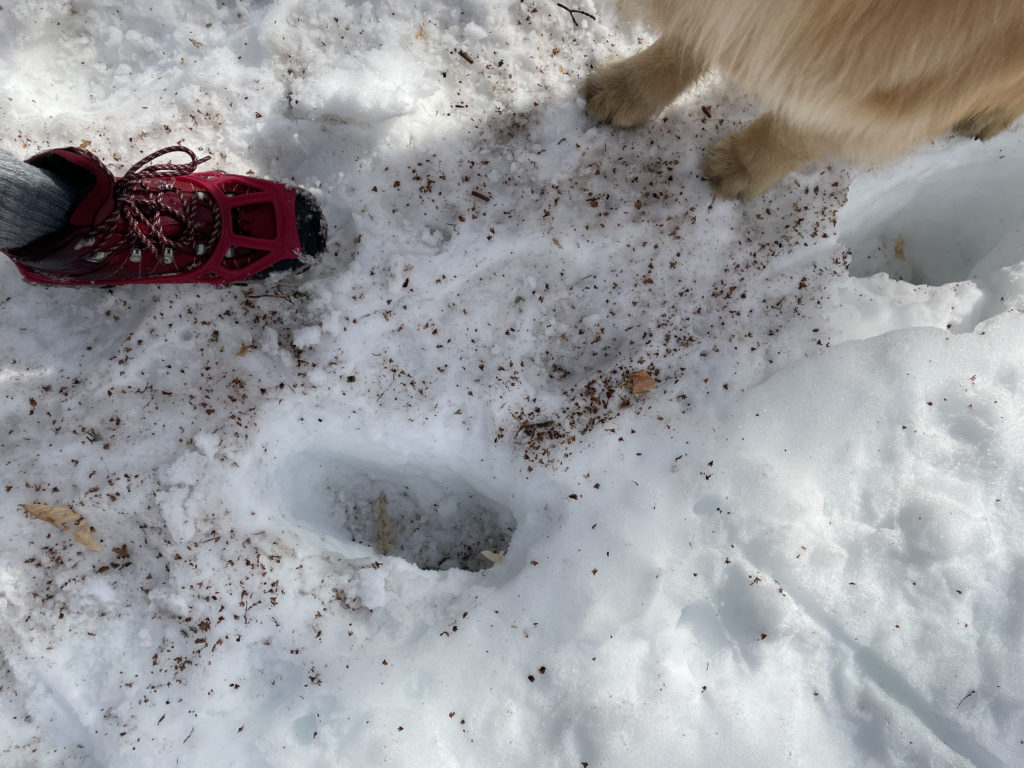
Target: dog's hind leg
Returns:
[[627, 93], [986, 123]]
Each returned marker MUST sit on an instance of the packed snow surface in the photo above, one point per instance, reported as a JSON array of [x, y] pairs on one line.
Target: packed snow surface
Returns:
[[553, 459]]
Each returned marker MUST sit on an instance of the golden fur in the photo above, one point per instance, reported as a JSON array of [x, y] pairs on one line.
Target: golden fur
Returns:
[[859, 79]]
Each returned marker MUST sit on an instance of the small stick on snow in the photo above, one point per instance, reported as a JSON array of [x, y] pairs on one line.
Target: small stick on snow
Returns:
[[572, 14]]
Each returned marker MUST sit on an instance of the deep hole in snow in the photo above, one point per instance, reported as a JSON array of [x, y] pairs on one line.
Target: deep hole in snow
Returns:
[[937, 225], [418, 512]]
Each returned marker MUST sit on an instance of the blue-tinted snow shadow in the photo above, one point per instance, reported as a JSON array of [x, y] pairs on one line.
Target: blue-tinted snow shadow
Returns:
[[945, 215]]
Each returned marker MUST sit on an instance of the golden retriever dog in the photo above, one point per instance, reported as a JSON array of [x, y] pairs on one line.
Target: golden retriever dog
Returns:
[[862, 80]]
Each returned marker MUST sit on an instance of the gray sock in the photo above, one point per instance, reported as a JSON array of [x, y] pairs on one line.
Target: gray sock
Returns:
[[33, 202]]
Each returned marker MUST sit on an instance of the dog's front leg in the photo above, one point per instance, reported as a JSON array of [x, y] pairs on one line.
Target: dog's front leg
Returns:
[[627, 93]]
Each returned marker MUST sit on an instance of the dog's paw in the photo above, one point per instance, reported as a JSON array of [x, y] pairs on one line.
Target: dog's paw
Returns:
[[730, 172], [752, 161], [615, 96]]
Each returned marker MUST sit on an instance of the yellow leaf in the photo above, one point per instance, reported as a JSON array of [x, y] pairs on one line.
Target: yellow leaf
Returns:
[[494, 557], [899, 249], [382, 522], [66, 519]]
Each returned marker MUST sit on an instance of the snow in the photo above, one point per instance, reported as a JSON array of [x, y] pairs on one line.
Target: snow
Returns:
[[801, 547]]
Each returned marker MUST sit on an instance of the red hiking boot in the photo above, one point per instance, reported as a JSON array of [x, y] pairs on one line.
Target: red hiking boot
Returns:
[[168, 224]]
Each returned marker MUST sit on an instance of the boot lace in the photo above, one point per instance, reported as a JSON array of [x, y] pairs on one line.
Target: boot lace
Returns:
[[146, 208]]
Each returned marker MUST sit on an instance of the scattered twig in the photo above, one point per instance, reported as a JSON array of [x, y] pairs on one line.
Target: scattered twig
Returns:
[[530, 429], [480, 196], [284, 296], [384, 391], [382, 522], [572, 14], [585, 277], [466, 56]]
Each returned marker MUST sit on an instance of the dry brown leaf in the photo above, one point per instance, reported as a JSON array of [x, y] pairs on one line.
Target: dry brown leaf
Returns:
[[641, 382], [66, 519], [243, 350]]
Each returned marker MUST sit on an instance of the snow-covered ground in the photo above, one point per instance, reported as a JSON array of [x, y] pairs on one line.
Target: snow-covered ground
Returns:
[[803, 546]]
